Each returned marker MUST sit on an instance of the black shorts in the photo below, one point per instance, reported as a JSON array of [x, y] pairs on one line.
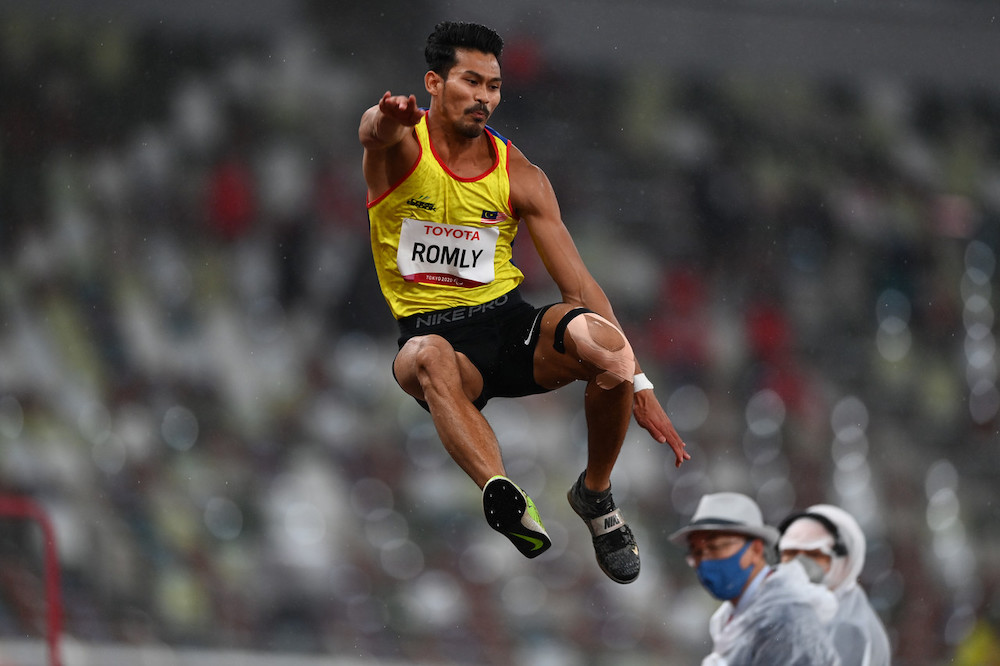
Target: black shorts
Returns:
[[499, 337]]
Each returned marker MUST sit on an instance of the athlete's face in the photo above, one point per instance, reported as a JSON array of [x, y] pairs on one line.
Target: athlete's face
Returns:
[[470, 94]]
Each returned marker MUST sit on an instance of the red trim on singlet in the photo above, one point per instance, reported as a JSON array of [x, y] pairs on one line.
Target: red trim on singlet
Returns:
[[496, 159], [510, 190]]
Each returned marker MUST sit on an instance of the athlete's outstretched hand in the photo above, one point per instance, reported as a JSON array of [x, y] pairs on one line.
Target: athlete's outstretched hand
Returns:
[[402, 109], [650, 415]]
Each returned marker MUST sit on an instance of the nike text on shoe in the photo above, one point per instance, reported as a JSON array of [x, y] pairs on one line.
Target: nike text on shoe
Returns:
[[614, 544], [512, 513]]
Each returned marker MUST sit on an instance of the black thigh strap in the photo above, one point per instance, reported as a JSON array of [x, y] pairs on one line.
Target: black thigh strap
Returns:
[[559, 341]]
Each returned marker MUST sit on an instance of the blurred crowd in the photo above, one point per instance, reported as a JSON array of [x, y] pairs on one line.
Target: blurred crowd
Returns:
[[195, 357]]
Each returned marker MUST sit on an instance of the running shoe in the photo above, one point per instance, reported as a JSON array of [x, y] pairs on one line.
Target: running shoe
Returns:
[[512, 513], [614, 544]]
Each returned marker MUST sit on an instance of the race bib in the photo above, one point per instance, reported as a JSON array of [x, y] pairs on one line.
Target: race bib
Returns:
[[448, 254]]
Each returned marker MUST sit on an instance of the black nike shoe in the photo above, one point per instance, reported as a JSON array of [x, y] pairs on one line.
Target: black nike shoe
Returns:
[[614, 544], [512, 513]]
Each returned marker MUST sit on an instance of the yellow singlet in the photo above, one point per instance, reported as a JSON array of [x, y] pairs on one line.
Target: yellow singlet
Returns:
[[441, 241]]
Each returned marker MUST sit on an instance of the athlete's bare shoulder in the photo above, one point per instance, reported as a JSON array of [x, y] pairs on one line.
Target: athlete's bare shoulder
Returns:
[[530, 189]]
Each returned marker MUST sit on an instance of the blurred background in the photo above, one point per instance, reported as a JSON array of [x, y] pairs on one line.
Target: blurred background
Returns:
[[794, 206]]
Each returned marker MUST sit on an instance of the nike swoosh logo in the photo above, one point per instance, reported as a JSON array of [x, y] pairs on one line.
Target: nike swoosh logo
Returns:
[[527, 340], [538, 543]]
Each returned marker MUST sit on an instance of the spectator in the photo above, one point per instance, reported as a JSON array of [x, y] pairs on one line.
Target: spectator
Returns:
[[769, 615], [831, 546]]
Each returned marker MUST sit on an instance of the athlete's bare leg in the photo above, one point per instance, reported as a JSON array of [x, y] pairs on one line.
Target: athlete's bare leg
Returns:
[[608, 411], [428, 368]]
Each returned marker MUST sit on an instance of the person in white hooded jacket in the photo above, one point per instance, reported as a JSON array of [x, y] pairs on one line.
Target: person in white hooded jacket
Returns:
[[769, 615], [831, 546]]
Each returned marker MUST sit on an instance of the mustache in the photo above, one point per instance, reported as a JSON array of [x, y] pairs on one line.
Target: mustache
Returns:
[[478, 107]]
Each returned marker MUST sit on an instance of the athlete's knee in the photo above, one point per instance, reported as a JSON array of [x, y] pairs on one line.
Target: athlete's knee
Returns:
[[435, 368], [429, 355], [602, 344]]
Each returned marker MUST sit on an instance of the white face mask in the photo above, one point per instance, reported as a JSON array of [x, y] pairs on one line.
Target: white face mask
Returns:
[[812, 567], [838, 574]]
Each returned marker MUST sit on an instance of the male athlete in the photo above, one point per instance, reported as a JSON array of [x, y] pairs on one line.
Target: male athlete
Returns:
[[445, 196]]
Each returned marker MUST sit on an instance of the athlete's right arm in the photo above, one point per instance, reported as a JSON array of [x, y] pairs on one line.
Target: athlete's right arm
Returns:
[[386, 133], [388, 122]]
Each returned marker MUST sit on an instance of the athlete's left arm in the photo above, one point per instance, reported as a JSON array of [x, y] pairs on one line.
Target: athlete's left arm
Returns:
[[534, 201]]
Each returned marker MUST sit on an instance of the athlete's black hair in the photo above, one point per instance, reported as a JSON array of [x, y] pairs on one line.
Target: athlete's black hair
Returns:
[[450, 35]]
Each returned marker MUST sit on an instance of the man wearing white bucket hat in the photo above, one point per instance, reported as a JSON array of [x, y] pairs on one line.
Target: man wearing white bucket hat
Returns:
[[769, 615], [830, 544]]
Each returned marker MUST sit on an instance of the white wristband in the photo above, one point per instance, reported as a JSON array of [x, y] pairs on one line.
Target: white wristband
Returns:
[[640, 382]]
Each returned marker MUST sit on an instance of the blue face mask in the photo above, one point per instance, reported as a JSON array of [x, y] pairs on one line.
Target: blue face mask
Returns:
[[724, 579]]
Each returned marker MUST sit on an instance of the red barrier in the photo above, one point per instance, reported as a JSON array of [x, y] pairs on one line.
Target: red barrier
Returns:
[[26, 509]]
